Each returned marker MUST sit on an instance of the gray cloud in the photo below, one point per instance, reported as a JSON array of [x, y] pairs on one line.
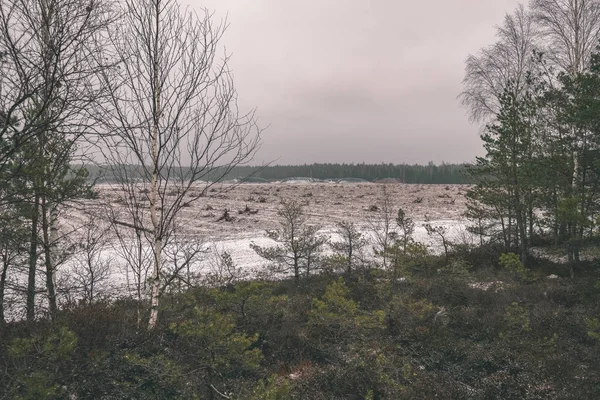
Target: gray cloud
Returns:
[[358, 80]]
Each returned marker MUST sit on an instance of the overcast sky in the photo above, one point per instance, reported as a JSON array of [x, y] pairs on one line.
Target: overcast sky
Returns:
[[358, 80]]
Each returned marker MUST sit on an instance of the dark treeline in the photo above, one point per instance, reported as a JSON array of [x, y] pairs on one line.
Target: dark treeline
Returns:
[[431, 173]]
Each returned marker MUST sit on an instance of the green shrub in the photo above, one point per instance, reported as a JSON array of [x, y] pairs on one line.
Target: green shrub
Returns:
[[213, 341], [512, 263], [38, 363], [593, 326], [334, 318], [274, 388], [457, 269], [517, 319], [324, 338]]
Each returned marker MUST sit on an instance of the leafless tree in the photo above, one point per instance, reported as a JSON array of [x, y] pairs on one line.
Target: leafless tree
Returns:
[[131, 247], [508, 61], [173, 121], [382, 226], [440, 234], [569, 31], [407, 228], [351, 246], [222, 269], [565, 32], [90, 269], [182, 258], [48, 56]]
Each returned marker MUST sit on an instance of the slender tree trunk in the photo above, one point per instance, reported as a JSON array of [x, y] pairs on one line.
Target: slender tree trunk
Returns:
[[574, 226], [531, 227], [576, 68], [154, 184], [40, 201], [504, 228], [446, 245], [33, 257], [296, 267], [523, 238], [5, 264], [574, 253], [155, 284], [48, 239], [582, 207], [530, 215], [480, 225], [556, 227], [350, 259], [139, 278], [521, 223], [510, 229]]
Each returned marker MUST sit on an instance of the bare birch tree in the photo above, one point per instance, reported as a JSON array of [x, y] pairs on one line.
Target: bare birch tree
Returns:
[[90, 273], [382, 226], [48, 55], [569, 31], [351, 246], [174, 125], [131, 247], [506, 62]]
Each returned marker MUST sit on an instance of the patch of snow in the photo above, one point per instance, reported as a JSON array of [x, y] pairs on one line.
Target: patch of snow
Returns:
[[485, 286]]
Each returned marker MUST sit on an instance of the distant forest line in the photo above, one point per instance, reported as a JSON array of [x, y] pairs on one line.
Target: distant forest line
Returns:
[[421, 174]]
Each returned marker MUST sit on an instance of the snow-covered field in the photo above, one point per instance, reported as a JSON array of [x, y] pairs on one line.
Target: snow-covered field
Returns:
[[324, 203]]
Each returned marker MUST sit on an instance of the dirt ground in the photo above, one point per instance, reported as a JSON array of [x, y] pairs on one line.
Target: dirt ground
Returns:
[[325, 203]]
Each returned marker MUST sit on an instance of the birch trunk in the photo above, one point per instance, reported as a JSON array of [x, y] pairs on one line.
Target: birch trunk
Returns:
[[175, 116], [157, 233], [48, 242], [5, 265]]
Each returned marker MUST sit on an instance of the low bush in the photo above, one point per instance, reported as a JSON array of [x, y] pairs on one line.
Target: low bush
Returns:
[[449, 331]]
